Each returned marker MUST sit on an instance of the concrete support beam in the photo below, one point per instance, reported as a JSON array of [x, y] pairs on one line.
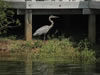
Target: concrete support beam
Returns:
[[28, 25], [56, 5], [92, 28]]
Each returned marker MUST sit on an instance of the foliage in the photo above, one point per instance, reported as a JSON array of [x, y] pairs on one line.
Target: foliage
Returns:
[[6, 17], [38, 44], [54, 51], [14, 37], [62, 51], [87, 54], [21, 47]]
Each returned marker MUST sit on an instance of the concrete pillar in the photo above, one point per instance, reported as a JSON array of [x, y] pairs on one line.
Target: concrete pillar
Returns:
[[92, 28], [28, 25]]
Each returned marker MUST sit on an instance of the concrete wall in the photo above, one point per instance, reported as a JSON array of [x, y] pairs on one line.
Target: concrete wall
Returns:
[[59, 0], [42, 0], [95, 0], [15, 0]]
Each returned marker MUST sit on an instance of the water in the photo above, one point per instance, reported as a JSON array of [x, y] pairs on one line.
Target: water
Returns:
[[19, 68], [12, 68]]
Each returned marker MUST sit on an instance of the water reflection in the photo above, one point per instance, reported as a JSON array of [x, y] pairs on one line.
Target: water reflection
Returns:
[[12, 68], [18, 68]]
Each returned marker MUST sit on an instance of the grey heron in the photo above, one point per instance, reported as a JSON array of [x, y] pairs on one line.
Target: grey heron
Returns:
[[44, 29]]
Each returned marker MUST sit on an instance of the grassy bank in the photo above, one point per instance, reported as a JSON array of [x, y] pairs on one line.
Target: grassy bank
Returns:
[[53, 50]]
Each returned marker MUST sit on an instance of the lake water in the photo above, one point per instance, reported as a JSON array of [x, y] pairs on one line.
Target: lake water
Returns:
[[19, 68]]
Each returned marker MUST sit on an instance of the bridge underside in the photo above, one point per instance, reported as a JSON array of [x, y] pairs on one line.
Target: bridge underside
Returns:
[[29, 8]]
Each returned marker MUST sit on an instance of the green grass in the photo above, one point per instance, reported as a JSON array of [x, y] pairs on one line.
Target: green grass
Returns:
[[54, 50], [63, 51]]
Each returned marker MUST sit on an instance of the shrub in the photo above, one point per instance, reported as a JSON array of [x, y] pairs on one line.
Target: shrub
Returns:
[[6, 17], [62, 51]]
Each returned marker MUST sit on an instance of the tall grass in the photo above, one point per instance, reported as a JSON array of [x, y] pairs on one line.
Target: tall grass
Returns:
[[63, 51], [55, 50]]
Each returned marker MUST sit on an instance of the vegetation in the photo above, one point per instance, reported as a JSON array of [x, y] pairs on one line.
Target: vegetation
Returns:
[[6, 17], [53, 51], [63, 51]]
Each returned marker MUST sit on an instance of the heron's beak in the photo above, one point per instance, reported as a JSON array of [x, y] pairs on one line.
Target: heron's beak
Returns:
[[56, 17]]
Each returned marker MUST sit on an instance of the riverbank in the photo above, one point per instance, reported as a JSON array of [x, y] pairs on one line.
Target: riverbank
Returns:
[[54, 50]]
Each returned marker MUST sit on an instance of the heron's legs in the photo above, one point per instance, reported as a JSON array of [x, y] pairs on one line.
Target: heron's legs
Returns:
[[44, 37]]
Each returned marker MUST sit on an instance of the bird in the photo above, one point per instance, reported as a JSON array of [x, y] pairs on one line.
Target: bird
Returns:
[[44, 29]]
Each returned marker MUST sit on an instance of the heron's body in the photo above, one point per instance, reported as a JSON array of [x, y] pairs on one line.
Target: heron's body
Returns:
[[44, 29]]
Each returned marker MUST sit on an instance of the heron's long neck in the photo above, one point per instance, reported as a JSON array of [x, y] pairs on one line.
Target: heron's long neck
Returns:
[[52, 23]]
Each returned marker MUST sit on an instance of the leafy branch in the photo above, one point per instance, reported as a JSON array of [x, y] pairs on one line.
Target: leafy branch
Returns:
[[6, 17]]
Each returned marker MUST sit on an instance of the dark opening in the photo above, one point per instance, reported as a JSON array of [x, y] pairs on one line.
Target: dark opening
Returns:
[[98, 28], [75, 26], [17, 31]]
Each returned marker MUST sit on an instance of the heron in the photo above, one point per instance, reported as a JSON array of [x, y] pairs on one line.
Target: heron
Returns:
[[44, 29]]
